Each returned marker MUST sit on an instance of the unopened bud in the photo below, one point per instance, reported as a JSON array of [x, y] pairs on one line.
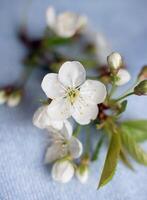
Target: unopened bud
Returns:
[[141, 88], [114, 60], [14, 98], [143, 73], [3, 97], [62, 171], [82, 173]]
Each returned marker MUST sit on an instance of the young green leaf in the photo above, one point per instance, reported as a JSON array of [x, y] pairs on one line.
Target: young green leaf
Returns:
[[136, 128], [134, 149], [97, 149], [125, 160], [111, 159]]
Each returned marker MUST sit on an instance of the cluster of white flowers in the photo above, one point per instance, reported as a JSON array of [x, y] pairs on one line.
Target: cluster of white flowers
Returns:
[[72, 95], [65, 24]]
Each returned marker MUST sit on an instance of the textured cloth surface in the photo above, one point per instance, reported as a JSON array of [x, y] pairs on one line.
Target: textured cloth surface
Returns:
[[22, 173]]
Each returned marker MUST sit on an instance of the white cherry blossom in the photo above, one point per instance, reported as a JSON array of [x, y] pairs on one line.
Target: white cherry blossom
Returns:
[[63, 144], [65, 24], [123, 77], [62, 171], [73, 95]]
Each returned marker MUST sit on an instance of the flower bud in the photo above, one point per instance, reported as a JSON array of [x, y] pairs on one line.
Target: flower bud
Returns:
[[143, 73], [82, 173], [62, 171], [141, 88], [14, 98], [3, 97], [122, 77], [114, 60]]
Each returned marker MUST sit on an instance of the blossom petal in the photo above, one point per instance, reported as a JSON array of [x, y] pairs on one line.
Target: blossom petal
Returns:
[[54, 152], [42, 120], [75, 148], [52, 87], [83, 112], [123, 77], [67, 130], [93, 92], [51, 17], [59, 109], [72, 74]]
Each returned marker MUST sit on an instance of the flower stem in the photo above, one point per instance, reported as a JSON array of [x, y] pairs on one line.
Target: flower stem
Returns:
[[97, 149], [87, 143], [113, 88], [122, 97], [77, 130]]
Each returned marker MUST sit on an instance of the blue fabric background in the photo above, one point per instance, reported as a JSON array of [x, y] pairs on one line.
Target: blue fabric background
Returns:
[[22, 173]]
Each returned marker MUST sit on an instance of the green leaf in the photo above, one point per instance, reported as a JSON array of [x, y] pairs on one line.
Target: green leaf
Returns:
[[125, 160], [53, 41], [111, 159], [136, 128], [134, 149], [97, 149]]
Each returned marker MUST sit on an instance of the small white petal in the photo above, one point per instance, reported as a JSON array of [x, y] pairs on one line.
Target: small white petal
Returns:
[[124, 76], [51, 17], [59, 109], [75, 148], [42, 120], [93, 92], [52, 87], [54, 152], [67, 130], [83, 112], [72, 74], [62, 171], [82, 174]]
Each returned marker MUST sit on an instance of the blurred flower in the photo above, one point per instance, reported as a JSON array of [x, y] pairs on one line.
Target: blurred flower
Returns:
[[42, 120], [114, 60], [72, 95], [3, 97], [65, 24], [62, 171], [82, 173], [102, 48], [14, 98], [122, 77], [141, 88], [143, 73], [11, 96], [63, 144]]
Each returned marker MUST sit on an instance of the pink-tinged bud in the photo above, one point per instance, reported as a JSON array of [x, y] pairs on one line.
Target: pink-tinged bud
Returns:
[[143, 73]]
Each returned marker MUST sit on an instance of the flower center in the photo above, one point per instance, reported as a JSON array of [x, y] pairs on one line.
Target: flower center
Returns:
[[72, 94]]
